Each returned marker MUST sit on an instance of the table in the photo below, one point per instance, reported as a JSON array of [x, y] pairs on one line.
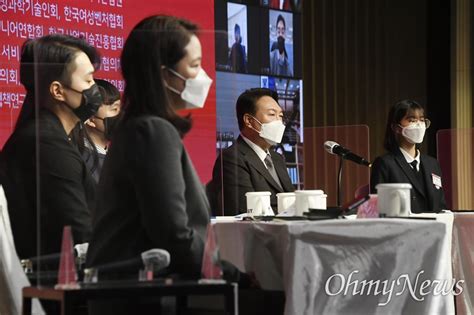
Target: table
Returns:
[[345, 266], [128, 289]]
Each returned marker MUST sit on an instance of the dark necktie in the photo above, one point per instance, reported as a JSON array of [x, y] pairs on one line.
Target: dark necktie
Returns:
[[271, 169], [413, 165]]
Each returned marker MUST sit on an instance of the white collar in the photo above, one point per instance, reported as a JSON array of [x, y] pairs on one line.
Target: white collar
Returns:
[[99, 149], [410, 159], [258, 150]]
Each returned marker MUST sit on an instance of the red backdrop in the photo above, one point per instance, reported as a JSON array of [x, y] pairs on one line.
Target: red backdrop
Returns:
[[105, 24]]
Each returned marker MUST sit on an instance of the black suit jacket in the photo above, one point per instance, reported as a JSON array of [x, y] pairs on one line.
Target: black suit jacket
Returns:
[[149, 196], [393, 168], [67, 190], [239, 170]]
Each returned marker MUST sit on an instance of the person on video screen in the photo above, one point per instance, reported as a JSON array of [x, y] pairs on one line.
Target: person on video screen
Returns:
[[279, 63], [237, 53]]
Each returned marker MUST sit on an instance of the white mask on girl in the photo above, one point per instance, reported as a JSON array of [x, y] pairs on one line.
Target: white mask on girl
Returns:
[[415, 132]]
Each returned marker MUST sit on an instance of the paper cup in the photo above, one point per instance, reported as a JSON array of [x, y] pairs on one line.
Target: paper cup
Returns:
[[258, 203], [310, 199], [286, 201], [394, 199]]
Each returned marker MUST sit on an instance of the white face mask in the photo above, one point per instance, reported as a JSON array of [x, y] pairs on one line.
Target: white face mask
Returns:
[[272, 132], [195, 89], [414, 133]]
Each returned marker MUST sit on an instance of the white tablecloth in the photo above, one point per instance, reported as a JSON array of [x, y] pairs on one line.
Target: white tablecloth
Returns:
[[322, 265]]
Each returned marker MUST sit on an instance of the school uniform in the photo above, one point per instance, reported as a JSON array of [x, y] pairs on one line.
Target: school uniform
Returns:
[[424, 175]]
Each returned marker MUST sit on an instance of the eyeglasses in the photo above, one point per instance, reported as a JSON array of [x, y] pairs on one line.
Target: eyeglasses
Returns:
[[426, 121]]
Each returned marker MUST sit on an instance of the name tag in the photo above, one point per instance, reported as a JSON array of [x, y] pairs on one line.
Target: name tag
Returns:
[[436, 181]]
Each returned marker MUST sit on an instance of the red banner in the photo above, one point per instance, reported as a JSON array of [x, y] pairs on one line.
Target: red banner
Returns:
[[105, 24]]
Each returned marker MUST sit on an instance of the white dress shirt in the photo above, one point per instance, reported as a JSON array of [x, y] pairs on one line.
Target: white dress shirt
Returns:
[[258, 150], [410, 159]]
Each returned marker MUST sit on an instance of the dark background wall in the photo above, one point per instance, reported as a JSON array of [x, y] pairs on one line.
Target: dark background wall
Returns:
[[361, 56]]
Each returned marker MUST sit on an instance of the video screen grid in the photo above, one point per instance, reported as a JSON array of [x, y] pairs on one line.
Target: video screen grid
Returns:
[[258, 44]]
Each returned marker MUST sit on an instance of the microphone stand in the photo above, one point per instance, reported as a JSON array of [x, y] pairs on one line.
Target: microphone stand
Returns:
[[340, 192]]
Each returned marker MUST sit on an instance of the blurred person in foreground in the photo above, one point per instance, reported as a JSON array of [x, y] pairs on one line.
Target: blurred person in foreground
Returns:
[[150, 195], [47, 184]]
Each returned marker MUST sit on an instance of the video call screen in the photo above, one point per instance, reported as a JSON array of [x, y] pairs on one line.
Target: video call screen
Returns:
[[258, 44], [258, 37]]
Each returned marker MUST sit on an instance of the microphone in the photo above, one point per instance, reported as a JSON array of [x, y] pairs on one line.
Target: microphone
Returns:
[[154, 259], [44, 259], [81, 253], [335, 148], [52, 260]]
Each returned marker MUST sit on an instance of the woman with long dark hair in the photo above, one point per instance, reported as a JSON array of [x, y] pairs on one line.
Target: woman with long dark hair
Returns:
[[149, 193], [405, 130]]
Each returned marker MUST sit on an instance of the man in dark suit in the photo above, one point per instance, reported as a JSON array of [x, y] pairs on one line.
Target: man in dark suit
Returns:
[[251, 164]]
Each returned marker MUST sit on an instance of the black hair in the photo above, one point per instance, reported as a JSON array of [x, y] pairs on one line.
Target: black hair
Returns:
[[26, 73], [247, 102], [237, 28], [280, 18], [47, 59], [79, 137], [395, 116], [155, 42], [110, 94]]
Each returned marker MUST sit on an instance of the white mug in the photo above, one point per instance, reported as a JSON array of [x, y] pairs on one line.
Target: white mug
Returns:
[[286, 201], [258, 203], [394, 199], [309, 199]]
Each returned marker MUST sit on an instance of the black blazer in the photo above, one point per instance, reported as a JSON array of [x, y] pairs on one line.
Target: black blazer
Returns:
[[243, 171], [149, 196], [67, 190], [393, 168]]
